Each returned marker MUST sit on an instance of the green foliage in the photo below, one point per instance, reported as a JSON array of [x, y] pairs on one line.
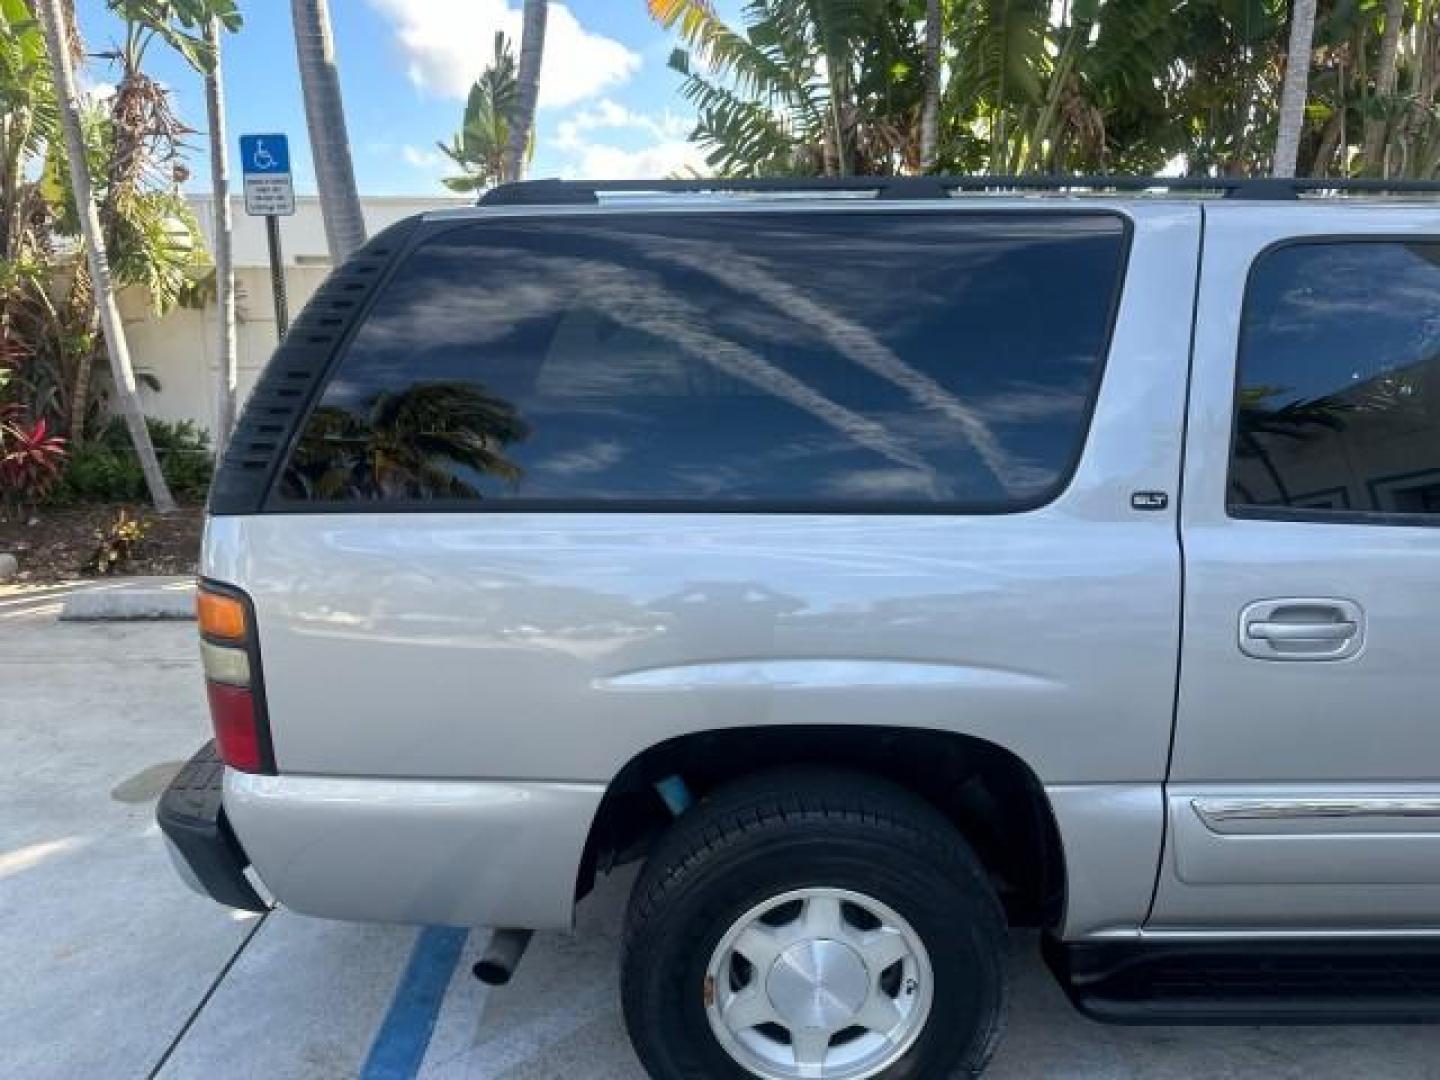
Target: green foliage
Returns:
[[30, 454], [160, 249], [180, 24], [134, 147], [766, 99], [807, 87], [26, 94], [479, 146], [106, 469]]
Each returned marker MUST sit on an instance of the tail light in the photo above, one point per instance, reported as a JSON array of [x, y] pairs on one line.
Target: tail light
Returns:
[[230, 653]]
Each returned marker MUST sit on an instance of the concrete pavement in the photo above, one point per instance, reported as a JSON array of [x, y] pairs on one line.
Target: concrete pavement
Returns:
[[103, 962], [110, 968]]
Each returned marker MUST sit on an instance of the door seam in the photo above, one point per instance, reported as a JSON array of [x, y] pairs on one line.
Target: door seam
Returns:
[[1180, 552]]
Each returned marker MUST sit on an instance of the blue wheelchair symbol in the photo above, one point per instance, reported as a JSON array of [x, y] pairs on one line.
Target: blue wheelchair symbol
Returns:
[[268, 153]]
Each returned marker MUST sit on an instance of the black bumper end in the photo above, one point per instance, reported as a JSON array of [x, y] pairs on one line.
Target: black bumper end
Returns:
[[193, 820]]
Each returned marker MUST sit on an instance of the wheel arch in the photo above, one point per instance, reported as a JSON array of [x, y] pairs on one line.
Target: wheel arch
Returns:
[[992, 797]]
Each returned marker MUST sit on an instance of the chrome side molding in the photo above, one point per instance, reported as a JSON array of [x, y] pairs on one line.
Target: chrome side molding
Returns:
[[1377, 814]]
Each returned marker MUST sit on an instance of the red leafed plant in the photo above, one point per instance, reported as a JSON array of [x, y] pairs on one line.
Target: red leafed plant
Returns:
[[30, 456]]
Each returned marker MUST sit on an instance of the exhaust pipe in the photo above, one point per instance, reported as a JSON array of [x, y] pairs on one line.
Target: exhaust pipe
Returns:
[[502, 956]]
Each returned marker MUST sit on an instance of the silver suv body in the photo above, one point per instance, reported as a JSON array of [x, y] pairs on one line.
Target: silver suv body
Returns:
[[1104, 527]]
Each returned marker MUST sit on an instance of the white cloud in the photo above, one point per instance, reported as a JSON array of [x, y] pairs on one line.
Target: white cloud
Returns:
[[591, 156], [600, 161], [608, 115], [421, 158], [447, 43]]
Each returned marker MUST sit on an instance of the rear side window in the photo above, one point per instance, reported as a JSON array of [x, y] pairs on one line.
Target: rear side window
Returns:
[[745, 360], [1338, 398]]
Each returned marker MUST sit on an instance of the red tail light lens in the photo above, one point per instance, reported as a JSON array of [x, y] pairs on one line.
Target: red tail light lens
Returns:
[[231, 656], [232, 712]]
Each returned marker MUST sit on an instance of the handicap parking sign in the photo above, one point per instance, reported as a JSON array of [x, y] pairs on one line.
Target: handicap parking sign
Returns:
[[265, 163], [267, 154]]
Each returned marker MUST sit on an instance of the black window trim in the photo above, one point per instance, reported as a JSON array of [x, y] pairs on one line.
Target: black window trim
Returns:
[[1308, 515], [275, 503]]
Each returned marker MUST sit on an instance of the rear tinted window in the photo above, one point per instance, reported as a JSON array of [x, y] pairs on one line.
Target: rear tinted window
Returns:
[[807, 360], [1338, 400]]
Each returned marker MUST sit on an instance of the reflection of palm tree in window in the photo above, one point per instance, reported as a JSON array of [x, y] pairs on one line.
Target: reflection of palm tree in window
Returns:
[[1257, 423], [416, 444]]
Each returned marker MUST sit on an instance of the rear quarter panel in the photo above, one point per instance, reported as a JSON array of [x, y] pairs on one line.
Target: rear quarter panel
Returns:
[[557, 646]]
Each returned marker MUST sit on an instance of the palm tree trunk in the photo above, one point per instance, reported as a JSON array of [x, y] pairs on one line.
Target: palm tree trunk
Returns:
[[1064, 64], [226, 361], [1329, 142], [325, 119], [930, 112], [1296, 88], [84, 365], [1427, 53], [1385, 78], [527, 88], [126, 395], [837, 122]]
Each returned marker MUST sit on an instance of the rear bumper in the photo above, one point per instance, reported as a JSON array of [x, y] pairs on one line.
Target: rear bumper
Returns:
[[205, 852], [440, 852]]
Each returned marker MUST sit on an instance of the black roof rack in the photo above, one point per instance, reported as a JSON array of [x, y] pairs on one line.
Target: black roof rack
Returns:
[[552, 192]]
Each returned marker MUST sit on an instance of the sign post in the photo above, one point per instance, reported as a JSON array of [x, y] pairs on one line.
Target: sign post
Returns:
[[270, 193]]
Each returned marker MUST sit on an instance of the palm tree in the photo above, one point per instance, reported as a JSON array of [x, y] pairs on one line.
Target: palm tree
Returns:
[[1296, 88], [29, 122], [930, 113], [429, 441], [325, 119], [421, 437], [226, 358], [480, 146], [57, 39], [816, 86], [140, 111], [532, 53], [772, 120], [1386, 75], [807, 87]]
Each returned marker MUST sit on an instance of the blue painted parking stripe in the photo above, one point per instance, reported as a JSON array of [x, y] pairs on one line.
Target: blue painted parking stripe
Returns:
[[400, 1044]]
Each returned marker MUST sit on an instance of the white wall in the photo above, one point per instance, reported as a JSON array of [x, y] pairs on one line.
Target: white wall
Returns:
[[180, 349]]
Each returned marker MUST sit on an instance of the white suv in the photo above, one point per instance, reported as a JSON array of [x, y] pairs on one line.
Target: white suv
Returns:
[[880, 570]]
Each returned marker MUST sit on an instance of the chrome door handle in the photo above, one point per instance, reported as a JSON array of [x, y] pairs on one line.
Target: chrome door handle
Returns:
[[1299, 631], [1302, 628]]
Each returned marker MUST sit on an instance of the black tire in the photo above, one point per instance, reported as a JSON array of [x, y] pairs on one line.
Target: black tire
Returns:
[[798, 828]]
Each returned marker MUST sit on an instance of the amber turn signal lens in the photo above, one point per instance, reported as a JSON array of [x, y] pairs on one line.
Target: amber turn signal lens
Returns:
[[220, 616]]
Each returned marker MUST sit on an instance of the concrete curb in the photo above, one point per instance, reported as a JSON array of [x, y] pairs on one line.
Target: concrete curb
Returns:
[[129, 604]]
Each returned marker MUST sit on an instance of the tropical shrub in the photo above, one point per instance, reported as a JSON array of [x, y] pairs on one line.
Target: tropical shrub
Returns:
[[107, 470], [30, 457]]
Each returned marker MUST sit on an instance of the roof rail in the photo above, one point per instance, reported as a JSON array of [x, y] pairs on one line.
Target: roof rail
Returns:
[[554, 192]]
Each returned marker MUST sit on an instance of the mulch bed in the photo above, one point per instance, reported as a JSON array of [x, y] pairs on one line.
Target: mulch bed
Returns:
[[53, 544]]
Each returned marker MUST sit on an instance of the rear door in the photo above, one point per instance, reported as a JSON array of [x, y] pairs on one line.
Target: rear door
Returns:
[[1305, 785]]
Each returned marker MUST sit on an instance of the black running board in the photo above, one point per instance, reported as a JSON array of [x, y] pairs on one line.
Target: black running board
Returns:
[[1261, 982]]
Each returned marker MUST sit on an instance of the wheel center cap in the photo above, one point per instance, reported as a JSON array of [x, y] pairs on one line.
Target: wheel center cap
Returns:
[[818, 984]]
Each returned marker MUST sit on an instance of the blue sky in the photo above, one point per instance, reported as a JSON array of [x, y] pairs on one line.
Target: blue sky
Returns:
[[609, 105]]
